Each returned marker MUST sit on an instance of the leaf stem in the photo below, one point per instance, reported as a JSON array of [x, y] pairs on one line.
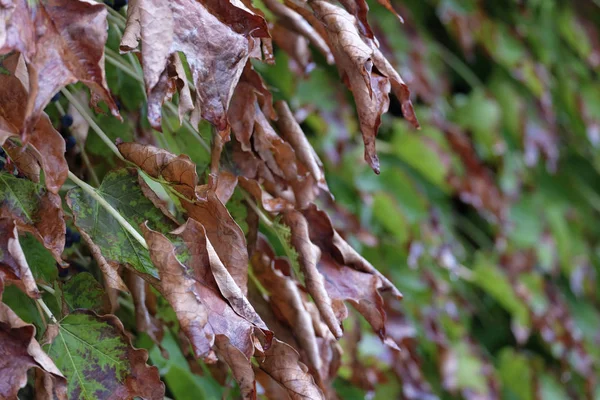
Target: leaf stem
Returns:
[[46, 310], [124, 223], [85, 114]]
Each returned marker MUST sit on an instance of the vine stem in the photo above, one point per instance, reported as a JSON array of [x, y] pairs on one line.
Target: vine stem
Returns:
[[85, 114], [122, 221]]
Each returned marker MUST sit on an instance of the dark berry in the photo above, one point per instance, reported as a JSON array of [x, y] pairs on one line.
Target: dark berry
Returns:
[[1, 164], [2, 153], [70, 142], [62, 272], [55, 97], [66, 121]]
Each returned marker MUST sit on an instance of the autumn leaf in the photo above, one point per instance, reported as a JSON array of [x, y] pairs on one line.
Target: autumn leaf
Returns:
[[179, 171], [217, 55], [22, 352], [202, 293], [97, 357], [84, 291], [364, 70], [285, 295], [13, 265], [62, 42], [45, 145]]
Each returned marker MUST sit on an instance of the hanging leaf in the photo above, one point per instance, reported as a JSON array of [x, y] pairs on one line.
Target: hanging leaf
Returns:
[[216, 57], [45, 145], [70, 49], [96, 356], [13, 264], [21, 352]]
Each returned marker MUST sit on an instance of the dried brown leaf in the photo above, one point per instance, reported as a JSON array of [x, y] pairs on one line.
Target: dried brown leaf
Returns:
[[285, 296], [282, 363], [309, 255], [62, 42], [217, 37], [21, 352], [194, 291], [180, 171], [45, 143], [13, 265]]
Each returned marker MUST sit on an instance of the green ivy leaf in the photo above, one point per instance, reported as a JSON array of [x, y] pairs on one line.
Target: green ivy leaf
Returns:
[[83, 291], [120, 188], [40, 260], [95, 355]]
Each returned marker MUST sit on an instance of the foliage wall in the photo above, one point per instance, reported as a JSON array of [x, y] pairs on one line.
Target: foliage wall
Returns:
[[208, 199]]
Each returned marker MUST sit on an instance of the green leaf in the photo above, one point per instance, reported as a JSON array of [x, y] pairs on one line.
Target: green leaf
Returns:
[[40, 260], [120, 188], [95, 355], [21, 196], [83, 291]]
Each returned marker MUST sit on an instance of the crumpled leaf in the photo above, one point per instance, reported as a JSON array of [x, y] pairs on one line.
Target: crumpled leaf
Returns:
[[21, 352], [309, 255], [365, 71], [45, 144], [34, 210], [285, 296], [281, 362], [96, 356], [208, 33], [62, 42], [110, 244], [205, 298], [24, 159], [326, 237], [293, 21], [13, 264], [291, 131], [180, 171]]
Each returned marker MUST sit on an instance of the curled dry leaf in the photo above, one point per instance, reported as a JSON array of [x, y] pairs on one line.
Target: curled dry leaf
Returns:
[[223, 232], [195, 291], [364, 70], [25, 160], [62, 42], [21, 352], [45, 143], [282, 363], [291, 131], [179, 171], [217, 37], [309, 255], [294, 22], [13, 265], [34, 210], [285, 295], [95, 354], [250, 90]]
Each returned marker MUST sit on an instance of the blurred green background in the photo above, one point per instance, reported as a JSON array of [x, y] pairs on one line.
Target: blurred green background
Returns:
[[486, 218]]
